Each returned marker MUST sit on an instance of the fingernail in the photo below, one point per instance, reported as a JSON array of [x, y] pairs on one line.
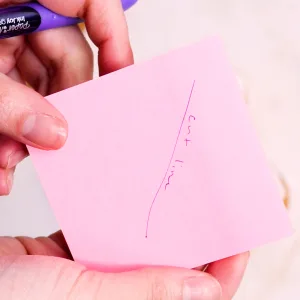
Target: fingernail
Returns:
[[10, 180], [15, 158], [44, 131], [201, 288]]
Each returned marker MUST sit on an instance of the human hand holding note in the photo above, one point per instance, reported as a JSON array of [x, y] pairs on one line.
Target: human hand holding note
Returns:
[[51, 61], [33, 276]]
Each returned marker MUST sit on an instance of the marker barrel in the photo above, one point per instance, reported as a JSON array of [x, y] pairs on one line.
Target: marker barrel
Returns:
[[33, 17]]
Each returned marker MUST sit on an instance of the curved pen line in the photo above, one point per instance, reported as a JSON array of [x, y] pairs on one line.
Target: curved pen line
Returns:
[[170, 162], [189, 128], [178, 161], [169, 180], [191, 116]]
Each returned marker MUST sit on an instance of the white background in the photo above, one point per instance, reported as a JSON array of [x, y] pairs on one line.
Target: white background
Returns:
[[263, 41]]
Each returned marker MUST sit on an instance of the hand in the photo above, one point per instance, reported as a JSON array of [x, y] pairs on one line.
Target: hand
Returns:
[[51, 61], [41, 268]]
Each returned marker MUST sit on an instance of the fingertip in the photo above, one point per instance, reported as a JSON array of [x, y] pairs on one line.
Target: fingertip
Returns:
[[109, 63], [106, 25], [44, 131], [229, 272], [6, 181], [203, 287], [11, 152], [15, 158], [29, 118], [10, 179]]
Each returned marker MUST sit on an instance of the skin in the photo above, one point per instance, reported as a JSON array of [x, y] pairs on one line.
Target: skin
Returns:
[[43, 268]]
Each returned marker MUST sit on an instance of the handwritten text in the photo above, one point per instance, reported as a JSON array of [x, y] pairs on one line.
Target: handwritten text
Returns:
[[170, 172]]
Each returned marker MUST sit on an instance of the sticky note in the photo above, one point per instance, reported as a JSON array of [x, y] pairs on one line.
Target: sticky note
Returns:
[[162, 166]]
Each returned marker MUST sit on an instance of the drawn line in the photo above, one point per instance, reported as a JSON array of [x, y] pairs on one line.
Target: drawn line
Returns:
[[169, 180], [170, 162]]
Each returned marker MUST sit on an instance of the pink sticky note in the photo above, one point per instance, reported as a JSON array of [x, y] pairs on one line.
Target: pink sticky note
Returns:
[[162, 166]]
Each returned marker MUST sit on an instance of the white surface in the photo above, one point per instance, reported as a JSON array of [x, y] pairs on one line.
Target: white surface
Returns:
[[262, 39]]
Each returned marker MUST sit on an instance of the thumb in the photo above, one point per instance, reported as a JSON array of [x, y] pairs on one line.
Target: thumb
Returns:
[[27, 117], [38, 277]]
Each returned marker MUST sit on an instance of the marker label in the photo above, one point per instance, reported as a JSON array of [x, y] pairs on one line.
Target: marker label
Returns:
[[19, 21]]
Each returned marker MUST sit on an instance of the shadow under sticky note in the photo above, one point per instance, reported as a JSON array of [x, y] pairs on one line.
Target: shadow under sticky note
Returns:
[[162, 166]]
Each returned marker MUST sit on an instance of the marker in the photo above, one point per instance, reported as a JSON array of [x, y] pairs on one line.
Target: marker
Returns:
[[33, 17]]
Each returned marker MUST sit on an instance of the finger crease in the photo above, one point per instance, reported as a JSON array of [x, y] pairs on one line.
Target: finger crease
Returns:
[[72, 289], [83, 10], [23, 246]]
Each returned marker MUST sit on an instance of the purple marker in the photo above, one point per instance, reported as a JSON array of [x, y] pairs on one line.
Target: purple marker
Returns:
[[33, 17]]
